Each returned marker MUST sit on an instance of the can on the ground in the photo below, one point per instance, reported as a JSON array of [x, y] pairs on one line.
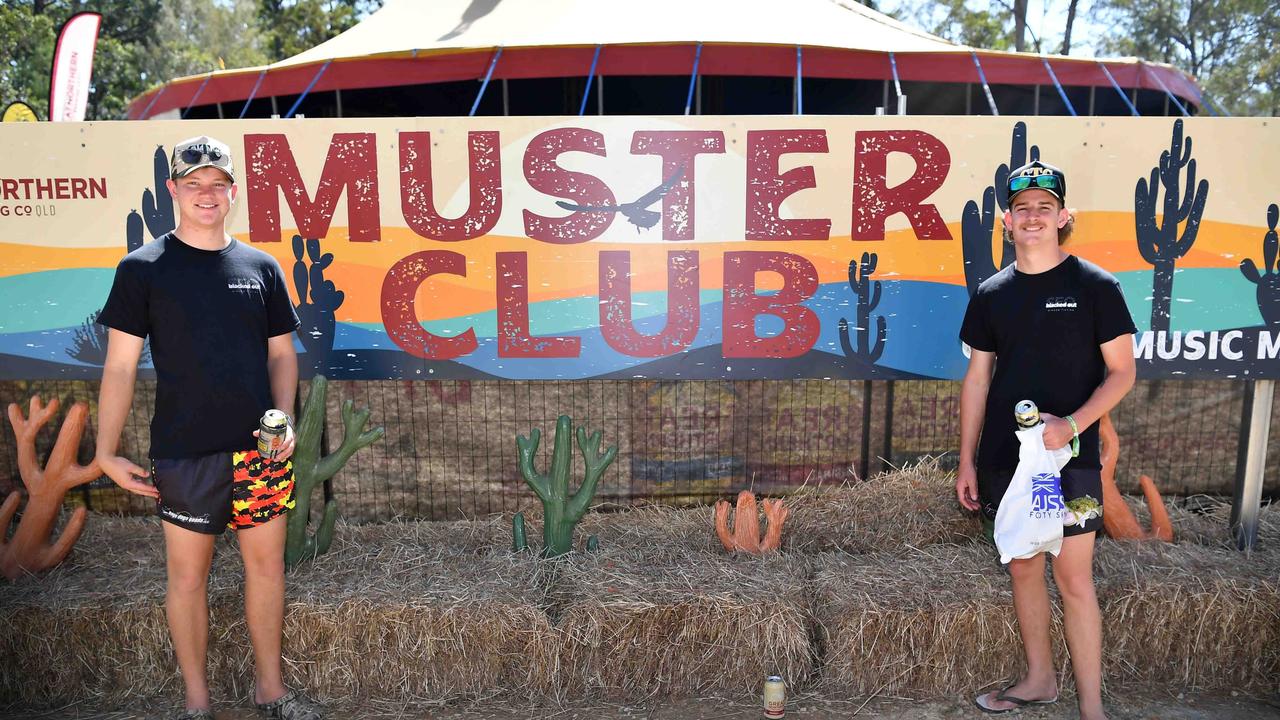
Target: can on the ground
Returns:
[[1026, 414], [775, 697], [271, 431]]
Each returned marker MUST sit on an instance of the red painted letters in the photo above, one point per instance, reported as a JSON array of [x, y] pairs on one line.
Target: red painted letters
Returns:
[[400, 316], [766, 189], [874, 202], [417, 201], [351, 165], [742, 304], [683, 308]]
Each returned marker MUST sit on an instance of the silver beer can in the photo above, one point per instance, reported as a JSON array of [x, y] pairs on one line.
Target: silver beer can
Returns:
[[1026, 414], [775, 697], [271, 431]]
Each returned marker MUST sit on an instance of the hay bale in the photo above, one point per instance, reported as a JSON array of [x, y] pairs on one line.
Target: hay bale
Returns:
[[668, 621], [922, 622], [915, 505], [939, 619], [397, 610]]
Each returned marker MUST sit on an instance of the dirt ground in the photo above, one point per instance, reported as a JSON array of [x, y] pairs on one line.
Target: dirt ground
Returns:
[[1134, 705]]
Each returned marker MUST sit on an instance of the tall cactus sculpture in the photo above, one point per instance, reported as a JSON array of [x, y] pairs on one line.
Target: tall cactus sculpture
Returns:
[[977, 226], [1162, 245], [868, 292], [157, 207], [318, 299], [561, 512], [1268, 281], [310, 470]]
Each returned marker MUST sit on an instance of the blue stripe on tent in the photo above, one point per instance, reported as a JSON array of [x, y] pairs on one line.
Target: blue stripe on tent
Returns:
[[893, 66], [252, 94], [1182, 108], [147, 109], [582, 109], [991, 101], [1061, 92], [488, 75], [1119, 91], [298, 103], [693, 79], [192, 102]]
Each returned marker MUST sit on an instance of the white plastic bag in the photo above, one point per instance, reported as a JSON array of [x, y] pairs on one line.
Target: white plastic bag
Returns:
[[1029, 520]]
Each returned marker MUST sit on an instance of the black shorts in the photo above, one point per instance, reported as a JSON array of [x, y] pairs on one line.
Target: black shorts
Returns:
[[1077, 484], [234, 490]]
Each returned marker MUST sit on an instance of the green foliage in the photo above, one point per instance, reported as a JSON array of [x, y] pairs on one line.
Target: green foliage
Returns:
[[292, 27]]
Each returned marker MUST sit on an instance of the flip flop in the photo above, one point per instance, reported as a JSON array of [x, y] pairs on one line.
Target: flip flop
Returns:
[[1018, 703]]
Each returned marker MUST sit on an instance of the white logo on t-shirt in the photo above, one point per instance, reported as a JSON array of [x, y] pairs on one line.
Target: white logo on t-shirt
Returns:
[[1060, 303], [242, 284]]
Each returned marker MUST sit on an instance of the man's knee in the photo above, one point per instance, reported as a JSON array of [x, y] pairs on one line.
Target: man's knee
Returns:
[[1074, 584], [263, 564], [188, 580]]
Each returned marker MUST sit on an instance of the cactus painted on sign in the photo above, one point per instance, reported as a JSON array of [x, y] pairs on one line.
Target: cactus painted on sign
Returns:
[[561, 512], [977, 226], [157, 207], [310, 470], [1268, 281], [868, 292], [318, 299], [1164, 243]]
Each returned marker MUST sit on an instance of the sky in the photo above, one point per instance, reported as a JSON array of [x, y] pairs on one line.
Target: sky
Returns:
[[1046, 18]]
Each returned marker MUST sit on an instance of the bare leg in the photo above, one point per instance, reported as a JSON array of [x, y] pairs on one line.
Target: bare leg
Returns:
[[262, 548], [1073, 573], [1031, 603], [188, 557]]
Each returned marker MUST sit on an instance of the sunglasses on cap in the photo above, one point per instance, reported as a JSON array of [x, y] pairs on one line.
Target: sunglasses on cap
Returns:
[[1046, 182], [197, 153]]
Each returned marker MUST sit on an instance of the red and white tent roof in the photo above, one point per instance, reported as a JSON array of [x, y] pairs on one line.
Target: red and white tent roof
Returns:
[[424, 41]]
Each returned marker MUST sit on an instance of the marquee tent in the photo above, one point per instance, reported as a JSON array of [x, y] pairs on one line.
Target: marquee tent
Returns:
[[416, 42]]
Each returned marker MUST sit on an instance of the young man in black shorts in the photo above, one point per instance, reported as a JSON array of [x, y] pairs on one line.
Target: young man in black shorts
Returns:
[[221, 326], [1054, 329]]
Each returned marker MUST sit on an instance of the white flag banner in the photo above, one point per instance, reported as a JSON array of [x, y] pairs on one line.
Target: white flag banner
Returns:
[[73, 67]]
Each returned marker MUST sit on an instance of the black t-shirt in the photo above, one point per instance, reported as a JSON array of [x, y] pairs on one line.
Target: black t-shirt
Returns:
[[1045, 330], [208, 314]]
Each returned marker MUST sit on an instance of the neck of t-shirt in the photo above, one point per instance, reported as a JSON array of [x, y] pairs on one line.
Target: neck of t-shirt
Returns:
[[210, 240], [1035, 263]]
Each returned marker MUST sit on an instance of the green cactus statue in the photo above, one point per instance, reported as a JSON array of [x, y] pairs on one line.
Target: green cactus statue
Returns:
[[561, 512], [310, 470]]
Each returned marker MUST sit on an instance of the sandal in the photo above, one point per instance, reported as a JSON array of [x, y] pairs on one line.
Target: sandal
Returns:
[[1018, 703], [292, 706]]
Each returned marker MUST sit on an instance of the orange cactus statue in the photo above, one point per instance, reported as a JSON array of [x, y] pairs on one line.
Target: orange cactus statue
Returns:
[[29, 551], [745, 536], [1116, 516]]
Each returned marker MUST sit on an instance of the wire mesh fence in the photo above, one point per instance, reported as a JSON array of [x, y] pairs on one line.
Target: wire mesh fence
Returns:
[[450, 446]]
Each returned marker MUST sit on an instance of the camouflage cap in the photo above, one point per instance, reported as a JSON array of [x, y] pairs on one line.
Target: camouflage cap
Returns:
[[200, 152]]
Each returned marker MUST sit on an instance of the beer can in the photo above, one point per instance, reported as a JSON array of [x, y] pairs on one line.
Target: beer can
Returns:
[[775, 697], [271, 431], [1026, 414]]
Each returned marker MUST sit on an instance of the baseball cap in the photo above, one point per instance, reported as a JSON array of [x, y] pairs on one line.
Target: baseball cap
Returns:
[[1037, 175], [200, 152]]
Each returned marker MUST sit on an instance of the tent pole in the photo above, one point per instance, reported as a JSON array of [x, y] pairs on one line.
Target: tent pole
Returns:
[[798, 93], [337, 97], [1247, 502], [600, 98], [582, 109], [192, 102], [219, 106], [506, 98], [485, 84], [252, 94], [1167, 95], [991, 101], [1062, 93], [1116, 85], [1035, 104], [316, 78], [693, 79]]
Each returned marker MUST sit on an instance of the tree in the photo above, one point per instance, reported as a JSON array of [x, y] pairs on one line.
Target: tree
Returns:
[[292, 27], [1229, 45]]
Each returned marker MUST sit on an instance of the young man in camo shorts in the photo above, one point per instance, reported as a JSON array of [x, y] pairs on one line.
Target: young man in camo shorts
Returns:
[[221, 326]]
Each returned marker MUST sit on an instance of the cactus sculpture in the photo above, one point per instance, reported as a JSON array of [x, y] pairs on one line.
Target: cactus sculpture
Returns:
[[977, 226], [1118, 519], [157, 207], [1268, 281], [868, 292], [1161, 245], [316, 307], [310, 470], [28, 550], [745, 536], [561, 512]]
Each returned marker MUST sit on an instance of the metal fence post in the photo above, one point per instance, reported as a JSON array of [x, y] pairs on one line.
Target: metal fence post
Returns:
[[865, 463], [886, 462], [1256, 426]]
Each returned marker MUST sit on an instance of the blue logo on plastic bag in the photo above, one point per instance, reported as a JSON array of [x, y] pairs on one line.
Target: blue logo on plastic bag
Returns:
[[1046, 494]]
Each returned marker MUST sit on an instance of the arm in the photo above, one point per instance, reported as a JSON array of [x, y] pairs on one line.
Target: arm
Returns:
[[1121, 372], [973, 409], [118, 375], [282, 372]]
